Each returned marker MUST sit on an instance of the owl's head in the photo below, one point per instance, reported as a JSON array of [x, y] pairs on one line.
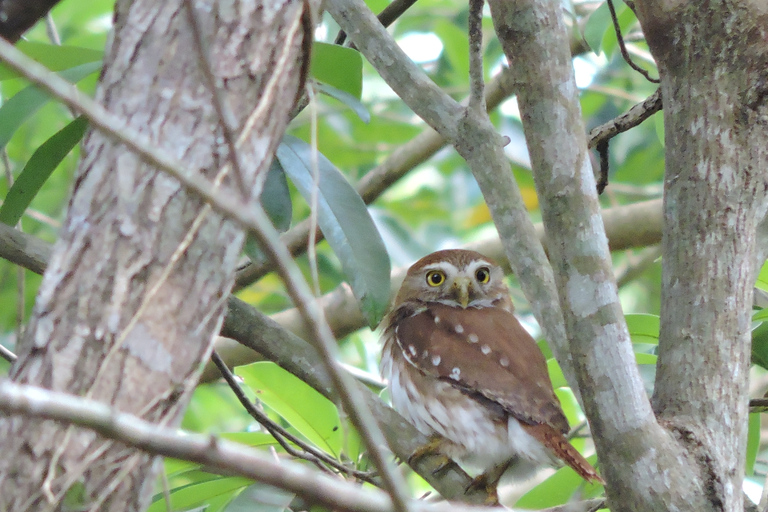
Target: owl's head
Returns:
[[455, 277]]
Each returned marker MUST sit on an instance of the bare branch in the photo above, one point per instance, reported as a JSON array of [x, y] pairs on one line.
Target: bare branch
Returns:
[[476, 85], [477, 141], [386, 17], [281, 435], [227, 119], [252, 218], [631, 118], [623, 47], [216, 454], [7, 354]]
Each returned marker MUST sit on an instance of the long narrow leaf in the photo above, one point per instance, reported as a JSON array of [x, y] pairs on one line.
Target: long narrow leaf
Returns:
[[54, 57], [346, 224], [39, 168], [26, 102]]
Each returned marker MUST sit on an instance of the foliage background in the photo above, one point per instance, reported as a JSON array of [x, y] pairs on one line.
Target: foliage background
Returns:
[[436, 205]]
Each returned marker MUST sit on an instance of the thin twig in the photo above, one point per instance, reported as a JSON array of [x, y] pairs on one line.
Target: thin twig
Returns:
[[386, 17], [281, 435], [7, 355], [20, 277], [623, 47], [476, 84], [228, 122], [252, 218], [631, 118]]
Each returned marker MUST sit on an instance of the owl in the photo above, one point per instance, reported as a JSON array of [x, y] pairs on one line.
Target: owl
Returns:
[[459, 364]]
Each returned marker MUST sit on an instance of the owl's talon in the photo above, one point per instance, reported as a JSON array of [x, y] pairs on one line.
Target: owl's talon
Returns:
[[432, 448], [488, 483]]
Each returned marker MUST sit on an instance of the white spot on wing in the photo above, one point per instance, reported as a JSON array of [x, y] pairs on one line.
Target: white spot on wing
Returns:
[[459, 328], [435, 360], [485, 349], [473, 338], [456, 374], [504, 362], [437, 319], [412, 350]]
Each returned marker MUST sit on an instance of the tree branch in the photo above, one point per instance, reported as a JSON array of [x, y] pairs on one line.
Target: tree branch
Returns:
[[252, 218], [534, 40], [476, 140], [216, 454], [261, 335]]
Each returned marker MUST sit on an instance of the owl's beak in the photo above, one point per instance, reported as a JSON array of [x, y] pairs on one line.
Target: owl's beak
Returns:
[[461, 289]]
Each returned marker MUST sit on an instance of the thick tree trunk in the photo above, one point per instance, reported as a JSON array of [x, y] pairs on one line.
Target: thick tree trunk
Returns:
[[137, 284], [713, 62]]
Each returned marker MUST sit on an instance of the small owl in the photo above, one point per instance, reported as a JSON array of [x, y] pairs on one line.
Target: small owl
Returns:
[[459, 364]]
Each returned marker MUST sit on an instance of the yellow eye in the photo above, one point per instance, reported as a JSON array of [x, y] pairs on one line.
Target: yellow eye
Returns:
[[435, 277], [483, 275]]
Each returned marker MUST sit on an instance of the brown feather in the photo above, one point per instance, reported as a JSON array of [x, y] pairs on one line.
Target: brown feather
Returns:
[[502, 364], [560, 446]]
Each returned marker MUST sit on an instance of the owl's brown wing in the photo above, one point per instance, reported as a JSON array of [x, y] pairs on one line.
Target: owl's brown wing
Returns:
[[485, 353]]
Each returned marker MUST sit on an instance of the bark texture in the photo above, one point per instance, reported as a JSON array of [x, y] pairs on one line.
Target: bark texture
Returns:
[[138, 280], [713, 63], [638, 459]]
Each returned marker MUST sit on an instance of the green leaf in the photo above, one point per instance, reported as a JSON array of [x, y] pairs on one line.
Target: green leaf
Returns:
[[260, 497], [597, 23], [559, 489], [54, 57], [309, 412], [753, 442], [338, 67], [39, 168], [455, 46], [626, 18], [760, 345], [26, 102], [762, 278], [346, 224], [347, 99], [216, 492], [276, 197], [643, 328], [556, 374]]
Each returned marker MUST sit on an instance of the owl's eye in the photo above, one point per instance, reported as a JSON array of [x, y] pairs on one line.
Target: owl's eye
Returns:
[[435, 277], [483, 275]]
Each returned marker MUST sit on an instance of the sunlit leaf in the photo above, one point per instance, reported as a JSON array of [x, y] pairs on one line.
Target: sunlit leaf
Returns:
[[556, 374], [338, 67], [39, 168], [762, 278], [346, 224], [309, 412], [643, 328], [753, 442]]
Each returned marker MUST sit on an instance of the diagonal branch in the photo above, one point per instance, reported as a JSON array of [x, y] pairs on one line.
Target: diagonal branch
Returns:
[[254, 220], [476, 140], [216, 454]]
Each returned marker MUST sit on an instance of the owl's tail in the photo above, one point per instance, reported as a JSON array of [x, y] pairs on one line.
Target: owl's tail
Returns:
[[563, 450]]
